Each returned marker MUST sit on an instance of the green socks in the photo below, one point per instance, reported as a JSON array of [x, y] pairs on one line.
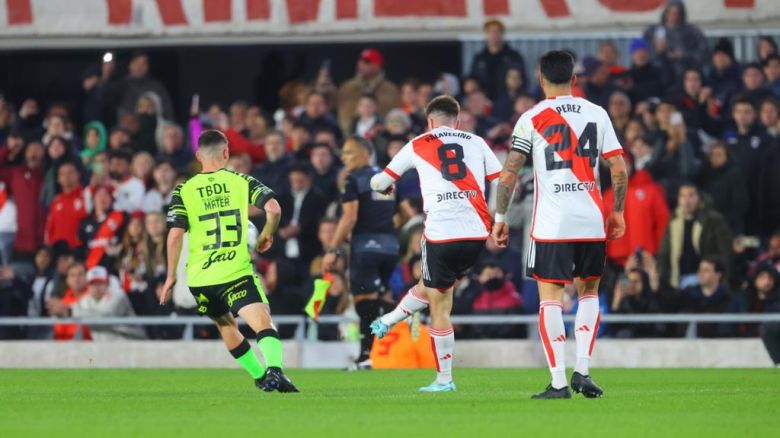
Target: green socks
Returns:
[[247, 359], [271, 347]]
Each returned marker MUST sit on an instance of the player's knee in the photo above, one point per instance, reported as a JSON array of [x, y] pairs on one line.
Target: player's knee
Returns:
[[267, 333]]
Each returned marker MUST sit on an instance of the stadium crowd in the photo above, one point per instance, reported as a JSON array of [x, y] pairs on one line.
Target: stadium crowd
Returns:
[[82, 207]]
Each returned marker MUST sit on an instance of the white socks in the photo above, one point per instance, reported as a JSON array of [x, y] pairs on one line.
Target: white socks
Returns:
[[553, 335], [409, 304], [586, 328], [443, 343]]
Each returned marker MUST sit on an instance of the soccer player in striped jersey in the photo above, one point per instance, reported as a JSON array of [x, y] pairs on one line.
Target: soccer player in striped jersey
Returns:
[[565, 136], [453, 166]]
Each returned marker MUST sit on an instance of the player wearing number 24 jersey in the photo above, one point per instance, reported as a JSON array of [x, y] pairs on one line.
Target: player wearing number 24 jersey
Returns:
[[453, 166], [566, 137], [213, 206]]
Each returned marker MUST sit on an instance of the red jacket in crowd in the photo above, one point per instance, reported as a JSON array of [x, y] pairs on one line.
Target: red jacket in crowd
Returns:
[[646, 216], [25, 185], [67, 211], [239, 144]]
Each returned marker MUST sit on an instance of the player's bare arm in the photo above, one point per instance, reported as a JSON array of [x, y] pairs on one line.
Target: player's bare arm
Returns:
[[175, 238], [343, 229], [616, 225], [273, 214], [506, 185]]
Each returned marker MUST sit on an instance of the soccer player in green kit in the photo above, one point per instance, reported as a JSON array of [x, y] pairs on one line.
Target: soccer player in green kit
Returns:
[[214, 206]]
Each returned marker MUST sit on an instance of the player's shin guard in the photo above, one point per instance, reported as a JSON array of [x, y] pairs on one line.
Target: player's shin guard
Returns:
[[410, 303], [553, 335], [443, 344], [271, 347], [247, 359], [586, 328], [368, 311]]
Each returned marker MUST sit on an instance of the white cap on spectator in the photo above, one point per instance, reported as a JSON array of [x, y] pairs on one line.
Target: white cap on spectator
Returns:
[[97, 274]]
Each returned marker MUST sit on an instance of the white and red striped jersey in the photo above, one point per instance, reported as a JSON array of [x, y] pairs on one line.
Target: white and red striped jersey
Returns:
[[565, 137], [453, 166]]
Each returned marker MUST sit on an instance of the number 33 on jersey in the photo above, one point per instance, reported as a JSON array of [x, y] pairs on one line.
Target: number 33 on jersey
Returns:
[[565, 137]]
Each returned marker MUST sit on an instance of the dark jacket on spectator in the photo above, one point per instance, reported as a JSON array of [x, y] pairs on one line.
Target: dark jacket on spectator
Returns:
[[711, 237], [728, 196], [181, 159], [687, 38], [124, 93], [724, 83], [694, 301], [490, 69], [327, 184], [647, 82], [769, 194], [325, 122], [749, 153], [274, 174], [312, 211]]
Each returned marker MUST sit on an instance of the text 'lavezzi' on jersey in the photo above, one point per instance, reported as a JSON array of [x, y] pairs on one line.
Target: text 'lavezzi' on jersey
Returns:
[[565, 137], [452, 166], [214, 208]]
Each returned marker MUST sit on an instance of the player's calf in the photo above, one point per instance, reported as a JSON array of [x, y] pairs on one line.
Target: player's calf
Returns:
[[412, 302]]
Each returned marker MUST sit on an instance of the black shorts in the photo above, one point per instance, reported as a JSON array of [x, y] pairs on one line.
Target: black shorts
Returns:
[[443, 263], [370, 272], [562, 262], [219, 299]]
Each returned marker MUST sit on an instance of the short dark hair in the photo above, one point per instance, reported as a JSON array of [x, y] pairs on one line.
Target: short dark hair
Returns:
[[300, 168], [362, 142], [557, 67], [121, 154], [211, 138], [771, 57], [688, 184], [716, 263], [443, 104], [754, 65], [742, 99]]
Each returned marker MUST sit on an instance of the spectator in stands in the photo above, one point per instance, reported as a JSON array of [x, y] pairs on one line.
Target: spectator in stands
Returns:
[[123, 93], [754, 84], [14, 296], [724, 183], [596, 84], [645, 76], [490, 65], [497, 296], [142, 166], [148, 113], [749, 146], [699, 108], [764, 296], [677, 41], [634, 295], [302, 208], [608, 55], [299, 141], [24, 184], [100, 232], [57, 126], [410, 99], [514, 84], [369, 79], [103, 299], [481, 107], [119, 138], [134, 264], [772, 72], [769, 117], [724, 73], [619, 110], [316, 116], [273, 172], [325, 232], [765, 46], [366, 122], [164, 181], [674, 159], [710, 295], [58, 151], [646, 216], [95, 139], [63, 258], [325, 171], [67, 209], [174, 151], [129, 191], [237, 116], [8, 226], [41, 287], [694, 233], [76, 281]]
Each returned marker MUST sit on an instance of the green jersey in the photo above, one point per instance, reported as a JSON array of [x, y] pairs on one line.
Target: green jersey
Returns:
[[213, 208]]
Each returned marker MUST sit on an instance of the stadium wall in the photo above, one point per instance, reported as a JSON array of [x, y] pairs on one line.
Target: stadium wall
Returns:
[[649, 353]]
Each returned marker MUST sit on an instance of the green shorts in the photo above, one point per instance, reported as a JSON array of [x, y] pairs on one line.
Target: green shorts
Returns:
[[217, 300]]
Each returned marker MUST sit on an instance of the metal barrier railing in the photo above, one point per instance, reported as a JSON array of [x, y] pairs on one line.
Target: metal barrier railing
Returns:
[[300, 321]]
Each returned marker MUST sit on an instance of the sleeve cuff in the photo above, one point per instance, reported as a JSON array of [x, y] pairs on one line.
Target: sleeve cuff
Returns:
[[493, 176], [612, 153], [265, 197], [392, 174]]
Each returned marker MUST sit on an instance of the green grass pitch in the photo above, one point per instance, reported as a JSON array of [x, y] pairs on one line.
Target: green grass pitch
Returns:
[[489, 402]]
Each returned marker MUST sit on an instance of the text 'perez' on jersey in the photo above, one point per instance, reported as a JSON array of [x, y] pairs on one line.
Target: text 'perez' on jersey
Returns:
[[565, 137], [214, 208], [452, 166]]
